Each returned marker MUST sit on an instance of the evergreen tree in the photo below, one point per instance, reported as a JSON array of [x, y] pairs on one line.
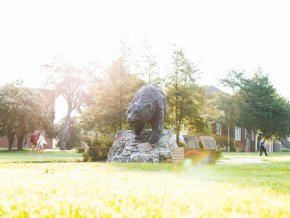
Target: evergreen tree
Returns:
[[185, 98]]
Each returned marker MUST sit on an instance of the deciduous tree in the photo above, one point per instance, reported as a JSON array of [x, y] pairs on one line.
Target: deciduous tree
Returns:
[[261, 107], [111, 96], [22, 110], [72, 83]]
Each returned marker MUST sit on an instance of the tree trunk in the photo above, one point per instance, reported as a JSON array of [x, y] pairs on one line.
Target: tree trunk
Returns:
[[66, 127], [229, 135], [177, 135], [20, 140], [10, 141], [177, 138], [64, 135]]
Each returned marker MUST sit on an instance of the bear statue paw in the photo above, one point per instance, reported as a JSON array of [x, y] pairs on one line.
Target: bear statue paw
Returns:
[[154, 138]]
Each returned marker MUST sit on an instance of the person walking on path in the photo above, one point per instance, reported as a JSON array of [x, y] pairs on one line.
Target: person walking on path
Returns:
[[41, 142], [263, 148], [33, 140]]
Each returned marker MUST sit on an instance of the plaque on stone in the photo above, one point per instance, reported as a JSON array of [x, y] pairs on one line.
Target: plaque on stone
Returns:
[[177, 155], [208, 142], [191, 141]]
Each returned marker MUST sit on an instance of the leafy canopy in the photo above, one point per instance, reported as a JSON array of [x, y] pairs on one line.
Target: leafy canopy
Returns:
[[261, 107], [110, 98], [22, 110]]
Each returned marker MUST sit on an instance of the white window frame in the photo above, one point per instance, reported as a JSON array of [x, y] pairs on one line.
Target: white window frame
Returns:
[[238, 133], [218, 128]]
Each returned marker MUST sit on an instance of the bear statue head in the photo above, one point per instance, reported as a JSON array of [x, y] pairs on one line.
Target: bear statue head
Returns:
[[138, 115]]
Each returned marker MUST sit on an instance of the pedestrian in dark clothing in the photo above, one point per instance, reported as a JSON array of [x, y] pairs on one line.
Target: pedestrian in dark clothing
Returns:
[[263, 148]]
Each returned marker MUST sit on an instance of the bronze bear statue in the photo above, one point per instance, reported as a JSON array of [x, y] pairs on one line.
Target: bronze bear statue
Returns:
[[148, 105]]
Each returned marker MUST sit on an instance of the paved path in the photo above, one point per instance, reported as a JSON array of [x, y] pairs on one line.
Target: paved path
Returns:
[[241, 160]]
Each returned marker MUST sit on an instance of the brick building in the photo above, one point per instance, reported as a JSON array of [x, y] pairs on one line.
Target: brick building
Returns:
[[238, 137]]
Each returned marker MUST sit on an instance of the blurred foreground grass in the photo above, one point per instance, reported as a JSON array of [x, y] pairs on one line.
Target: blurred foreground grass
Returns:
[[144, 190]]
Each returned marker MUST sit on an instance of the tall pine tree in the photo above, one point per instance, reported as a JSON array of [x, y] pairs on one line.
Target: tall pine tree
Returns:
[[185, 98]]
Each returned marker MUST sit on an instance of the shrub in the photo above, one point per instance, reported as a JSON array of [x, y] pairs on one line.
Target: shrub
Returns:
[[219, 152], [200, 144], [86, 156], [232, 148], [284, 149], [98, 148], [80, 150], [181, 144], [73, 136]]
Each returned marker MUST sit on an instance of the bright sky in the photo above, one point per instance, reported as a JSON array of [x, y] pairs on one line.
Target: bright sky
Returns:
[[216, 35]]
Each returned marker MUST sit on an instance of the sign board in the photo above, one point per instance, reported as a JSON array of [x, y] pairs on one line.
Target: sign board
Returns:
[[208, 142], [191, 141]]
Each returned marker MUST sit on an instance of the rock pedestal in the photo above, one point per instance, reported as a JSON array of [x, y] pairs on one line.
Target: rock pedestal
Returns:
[[126, 148]]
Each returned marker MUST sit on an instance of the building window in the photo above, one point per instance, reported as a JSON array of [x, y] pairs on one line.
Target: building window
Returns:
[[238, 134], [218, 128], [253, 136]]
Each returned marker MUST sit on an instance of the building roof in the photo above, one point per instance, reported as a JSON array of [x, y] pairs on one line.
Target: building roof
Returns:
[[212, 90]]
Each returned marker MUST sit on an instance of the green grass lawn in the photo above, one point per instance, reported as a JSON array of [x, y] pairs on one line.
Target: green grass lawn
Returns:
[[272, 157], [254, 154], [48, 156], [72, 189]]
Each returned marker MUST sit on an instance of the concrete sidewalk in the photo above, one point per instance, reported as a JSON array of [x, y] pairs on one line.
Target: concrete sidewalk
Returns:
[[241, 160]]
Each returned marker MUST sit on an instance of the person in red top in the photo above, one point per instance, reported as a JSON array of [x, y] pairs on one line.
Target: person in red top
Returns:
[[33, 140]]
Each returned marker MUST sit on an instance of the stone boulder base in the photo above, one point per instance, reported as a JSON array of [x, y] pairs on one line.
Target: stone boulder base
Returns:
[[128, 149]]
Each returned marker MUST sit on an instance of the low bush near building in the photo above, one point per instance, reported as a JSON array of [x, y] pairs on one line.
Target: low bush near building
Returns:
[[284, 149]]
